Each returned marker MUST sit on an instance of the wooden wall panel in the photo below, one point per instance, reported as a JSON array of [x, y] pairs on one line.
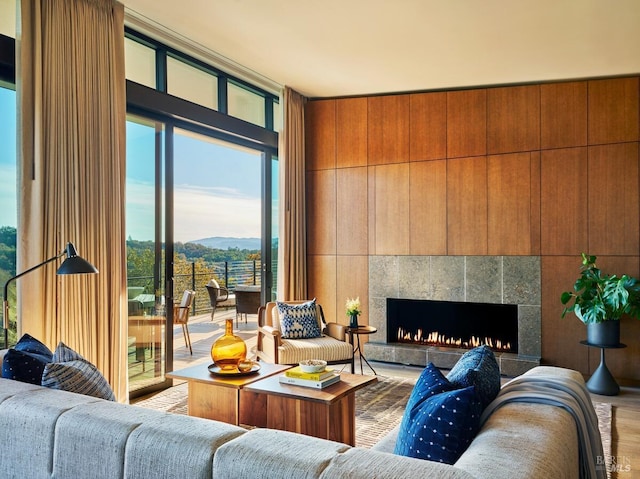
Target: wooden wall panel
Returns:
[[614, 110], [321, 281], [535, 203], [466, 123], [563, 114], [352, 212], [388, 129], [428, 126], [352, 282], [613, 197], [509, 204], [320, 134], [561, 336], [371, 200], [428, 207], [467, 206], [321, 212], [351, 132], [563, 204], [513, 119], [392, 209]]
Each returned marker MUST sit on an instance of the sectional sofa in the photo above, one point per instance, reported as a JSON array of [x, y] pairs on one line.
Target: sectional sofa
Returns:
[[49, 433]]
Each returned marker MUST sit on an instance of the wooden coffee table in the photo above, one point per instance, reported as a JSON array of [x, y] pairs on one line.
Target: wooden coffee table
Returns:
[[221, 398], [328, 413]]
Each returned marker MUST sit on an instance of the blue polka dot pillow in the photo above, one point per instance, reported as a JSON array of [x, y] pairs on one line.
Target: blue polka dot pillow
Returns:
[[26, 360], [299, 321], [439, 421]]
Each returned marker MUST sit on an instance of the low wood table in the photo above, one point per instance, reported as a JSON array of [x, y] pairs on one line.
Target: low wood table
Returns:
[[328, 413], [222, 398]]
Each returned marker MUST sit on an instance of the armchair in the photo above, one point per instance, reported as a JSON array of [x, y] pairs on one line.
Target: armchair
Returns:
[[332, 346], [181, 315], [217, 294]]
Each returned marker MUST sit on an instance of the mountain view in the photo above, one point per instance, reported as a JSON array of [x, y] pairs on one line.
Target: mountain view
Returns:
[[220, 242]]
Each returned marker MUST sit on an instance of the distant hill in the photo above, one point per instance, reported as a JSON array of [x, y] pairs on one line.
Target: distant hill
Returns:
[[224, 243]]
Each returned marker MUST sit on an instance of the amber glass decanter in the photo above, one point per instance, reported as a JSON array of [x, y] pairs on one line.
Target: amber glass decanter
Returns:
[[228, 349]]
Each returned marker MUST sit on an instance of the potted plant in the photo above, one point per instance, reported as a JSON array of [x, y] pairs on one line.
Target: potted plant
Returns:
[[600, 300]]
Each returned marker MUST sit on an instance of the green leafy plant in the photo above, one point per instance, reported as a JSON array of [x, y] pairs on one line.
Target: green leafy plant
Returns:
[[601, 297]]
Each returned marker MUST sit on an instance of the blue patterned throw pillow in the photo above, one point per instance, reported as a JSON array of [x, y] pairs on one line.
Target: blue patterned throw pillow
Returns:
[[69, 371], [26, 361], [479, 368], [439, 421], [299, 321]]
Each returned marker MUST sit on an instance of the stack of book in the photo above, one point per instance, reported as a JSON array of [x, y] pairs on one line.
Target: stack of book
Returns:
[[298, 377]]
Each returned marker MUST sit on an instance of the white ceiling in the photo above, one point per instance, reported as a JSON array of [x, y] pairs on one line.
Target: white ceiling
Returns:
[[355, 47]]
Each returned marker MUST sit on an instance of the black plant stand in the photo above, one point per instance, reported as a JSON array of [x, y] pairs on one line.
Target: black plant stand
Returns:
[[602, 381]]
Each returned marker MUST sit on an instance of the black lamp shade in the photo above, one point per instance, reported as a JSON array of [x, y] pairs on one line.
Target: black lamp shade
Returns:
[[74, 264]]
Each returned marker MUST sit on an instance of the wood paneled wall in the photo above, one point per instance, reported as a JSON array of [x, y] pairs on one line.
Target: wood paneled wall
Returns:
[[548, 170]]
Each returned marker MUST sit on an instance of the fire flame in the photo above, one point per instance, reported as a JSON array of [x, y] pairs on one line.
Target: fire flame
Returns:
[[436, 339]]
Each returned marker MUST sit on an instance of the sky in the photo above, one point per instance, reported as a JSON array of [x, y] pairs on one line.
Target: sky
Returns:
[[217, 185], [8, 202]]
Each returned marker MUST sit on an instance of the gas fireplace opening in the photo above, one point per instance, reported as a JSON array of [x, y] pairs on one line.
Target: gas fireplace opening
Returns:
[[453, 324]]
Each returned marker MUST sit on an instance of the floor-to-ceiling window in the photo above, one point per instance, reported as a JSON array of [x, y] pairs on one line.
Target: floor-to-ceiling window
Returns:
[[146, 299], [8, 198], [213, 201], [8, 193]]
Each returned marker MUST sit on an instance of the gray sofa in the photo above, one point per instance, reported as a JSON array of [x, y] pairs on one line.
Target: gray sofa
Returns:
[[49, 433]]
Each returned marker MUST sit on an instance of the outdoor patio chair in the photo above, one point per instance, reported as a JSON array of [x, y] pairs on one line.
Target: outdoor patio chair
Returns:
[[181, 315], [217, 294], [332, 346]]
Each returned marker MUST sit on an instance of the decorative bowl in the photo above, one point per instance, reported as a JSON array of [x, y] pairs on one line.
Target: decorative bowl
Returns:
[[313, 365]]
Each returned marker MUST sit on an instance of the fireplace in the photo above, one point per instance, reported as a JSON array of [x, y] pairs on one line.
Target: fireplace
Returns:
[[453, 324], [509, 281]]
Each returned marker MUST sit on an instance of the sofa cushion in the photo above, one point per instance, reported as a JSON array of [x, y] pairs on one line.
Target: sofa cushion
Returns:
[[69, 371], [439, 421], [299, 321], [26, 361], [479, 368]]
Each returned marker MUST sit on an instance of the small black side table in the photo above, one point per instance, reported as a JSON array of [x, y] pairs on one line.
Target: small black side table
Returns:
[[602, 381], [357, 332]]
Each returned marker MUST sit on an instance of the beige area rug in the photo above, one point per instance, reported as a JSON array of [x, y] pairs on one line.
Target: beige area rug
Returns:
[[604, 412], [379, 408]]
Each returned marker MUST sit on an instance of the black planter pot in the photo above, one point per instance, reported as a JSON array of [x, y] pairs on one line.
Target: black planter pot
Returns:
[[605, 334]]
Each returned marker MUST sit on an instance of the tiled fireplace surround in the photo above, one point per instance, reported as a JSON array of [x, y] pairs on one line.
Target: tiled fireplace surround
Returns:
[[480, 279]]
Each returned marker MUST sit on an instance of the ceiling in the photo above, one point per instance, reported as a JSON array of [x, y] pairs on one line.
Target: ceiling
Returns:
[[334, 48]]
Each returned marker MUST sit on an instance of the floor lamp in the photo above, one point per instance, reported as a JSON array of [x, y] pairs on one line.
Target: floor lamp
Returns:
[[73, 264]]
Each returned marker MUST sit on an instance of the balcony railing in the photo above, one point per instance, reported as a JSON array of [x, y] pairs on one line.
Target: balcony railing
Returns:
[[228, 274]]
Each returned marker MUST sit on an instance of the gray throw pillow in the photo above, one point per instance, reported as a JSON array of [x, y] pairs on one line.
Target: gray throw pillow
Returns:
[[69, 371]]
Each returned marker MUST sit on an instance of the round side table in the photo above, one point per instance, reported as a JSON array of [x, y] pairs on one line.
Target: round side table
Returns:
[[357, 332], [602, 381]]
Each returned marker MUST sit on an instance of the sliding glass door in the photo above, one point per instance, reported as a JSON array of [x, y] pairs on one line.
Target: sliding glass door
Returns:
[[147, 355], [217, 217], [208, 204]]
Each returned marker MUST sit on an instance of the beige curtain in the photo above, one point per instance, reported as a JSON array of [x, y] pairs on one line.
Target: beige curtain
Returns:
[[292, 267], [72, 113]]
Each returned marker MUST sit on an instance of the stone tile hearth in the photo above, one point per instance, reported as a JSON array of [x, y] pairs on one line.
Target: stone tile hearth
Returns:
[[488, 279]]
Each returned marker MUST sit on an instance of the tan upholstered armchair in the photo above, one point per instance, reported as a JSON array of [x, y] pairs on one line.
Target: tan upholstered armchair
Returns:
[[332, 346]]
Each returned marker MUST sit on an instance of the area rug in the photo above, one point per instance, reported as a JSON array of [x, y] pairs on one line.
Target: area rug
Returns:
[[379, 408]]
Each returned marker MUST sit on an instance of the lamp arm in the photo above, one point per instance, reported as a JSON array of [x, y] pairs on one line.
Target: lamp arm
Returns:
[[5, 304]]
